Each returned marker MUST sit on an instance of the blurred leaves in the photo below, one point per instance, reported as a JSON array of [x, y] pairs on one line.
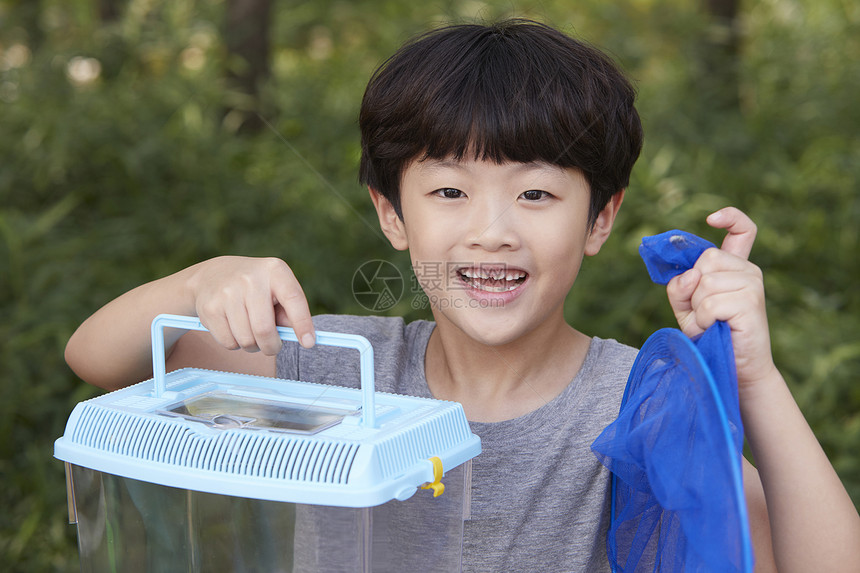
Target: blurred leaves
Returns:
[[119, 166]]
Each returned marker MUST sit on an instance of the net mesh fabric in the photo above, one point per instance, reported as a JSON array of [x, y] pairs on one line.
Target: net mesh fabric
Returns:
[[675, 449]]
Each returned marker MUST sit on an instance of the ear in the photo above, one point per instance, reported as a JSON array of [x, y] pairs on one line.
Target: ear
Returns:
[[603, 224], [390, 222]]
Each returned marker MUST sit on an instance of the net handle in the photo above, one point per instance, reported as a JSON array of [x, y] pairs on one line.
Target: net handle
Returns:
[[354, 341]]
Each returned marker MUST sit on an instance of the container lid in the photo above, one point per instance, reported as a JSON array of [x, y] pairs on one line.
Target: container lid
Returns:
[[267, 438]]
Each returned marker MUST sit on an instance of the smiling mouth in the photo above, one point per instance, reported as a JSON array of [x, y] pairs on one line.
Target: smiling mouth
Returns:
[[499, 279]]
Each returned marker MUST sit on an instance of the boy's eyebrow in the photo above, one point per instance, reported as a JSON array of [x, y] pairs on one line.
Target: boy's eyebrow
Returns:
[[448, 163], [441, 164]]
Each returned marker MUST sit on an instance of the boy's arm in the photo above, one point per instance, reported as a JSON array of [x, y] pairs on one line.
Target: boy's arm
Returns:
[[240, 300], [813, 523]]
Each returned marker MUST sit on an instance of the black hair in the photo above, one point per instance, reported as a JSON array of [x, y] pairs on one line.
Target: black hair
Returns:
[[515, 91]]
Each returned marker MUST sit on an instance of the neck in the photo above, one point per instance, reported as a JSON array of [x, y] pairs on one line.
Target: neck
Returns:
[[502, 382]]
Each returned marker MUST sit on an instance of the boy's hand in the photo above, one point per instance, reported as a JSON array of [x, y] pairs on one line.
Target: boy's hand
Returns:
[[724, 285], [241, 300]]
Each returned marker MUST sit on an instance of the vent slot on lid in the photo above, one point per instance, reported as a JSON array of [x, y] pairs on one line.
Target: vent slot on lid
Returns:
[[277, 455]]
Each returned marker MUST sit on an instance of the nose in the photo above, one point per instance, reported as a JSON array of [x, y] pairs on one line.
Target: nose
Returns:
[[492, 226]]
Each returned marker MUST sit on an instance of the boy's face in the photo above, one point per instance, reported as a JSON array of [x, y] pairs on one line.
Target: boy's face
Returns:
[[496, 247]]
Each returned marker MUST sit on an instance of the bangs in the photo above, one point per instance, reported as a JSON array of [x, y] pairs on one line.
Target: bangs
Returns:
[[507, 111]]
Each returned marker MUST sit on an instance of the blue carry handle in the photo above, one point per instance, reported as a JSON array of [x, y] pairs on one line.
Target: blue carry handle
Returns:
[[354, 341]]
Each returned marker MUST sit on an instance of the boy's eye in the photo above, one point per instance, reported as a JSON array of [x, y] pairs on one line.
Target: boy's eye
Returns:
[[534, 195], [449, 193]]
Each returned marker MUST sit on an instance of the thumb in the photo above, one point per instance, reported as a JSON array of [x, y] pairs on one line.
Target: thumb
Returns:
[[741, 230]]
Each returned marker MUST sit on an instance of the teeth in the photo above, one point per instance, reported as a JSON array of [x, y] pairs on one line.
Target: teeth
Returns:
[[488, 288], [496, 275]]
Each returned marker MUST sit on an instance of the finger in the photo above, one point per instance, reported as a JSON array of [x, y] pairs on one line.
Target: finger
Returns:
[[724, 306], [720, 261], [726, 283], [219, 328], [281, 318], [261, 317], [240, 327], [680, 292], [741, 230], [288, 293]]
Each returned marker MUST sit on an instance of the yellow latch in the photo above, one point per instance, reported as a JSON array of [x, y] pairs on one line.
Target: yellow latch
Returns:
[[436, 485]]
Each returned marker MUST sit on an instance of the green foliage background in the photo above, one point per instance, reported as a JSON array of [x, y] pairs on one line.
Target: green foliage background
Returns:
[[110, 183]]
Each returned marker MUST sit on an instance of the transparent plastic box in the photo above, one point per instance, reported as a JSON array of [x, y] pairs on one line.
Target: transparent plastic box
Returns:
[[207, 471]]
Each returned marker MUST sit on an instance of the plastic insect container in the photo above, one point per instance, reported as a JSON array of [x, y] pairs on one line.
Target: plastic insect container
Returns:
[[197, 470]]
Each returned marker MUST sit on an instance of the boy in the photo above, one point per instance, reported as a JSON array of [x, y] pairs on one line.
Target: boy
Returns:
[[501, 154]]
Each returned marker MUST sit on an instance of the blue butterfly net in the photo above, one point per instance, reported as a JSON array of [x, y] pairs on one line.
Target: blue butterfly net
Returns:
[[675, 449]]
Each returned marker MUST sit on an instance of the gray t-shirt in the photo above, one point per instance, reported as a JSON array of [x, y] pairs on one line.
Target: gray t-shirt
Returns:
[[540, 498]]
